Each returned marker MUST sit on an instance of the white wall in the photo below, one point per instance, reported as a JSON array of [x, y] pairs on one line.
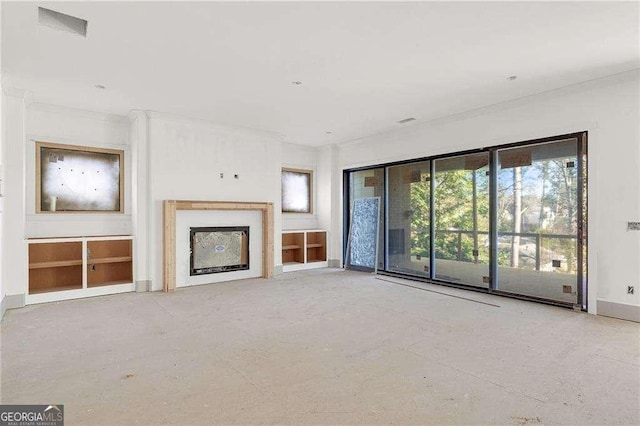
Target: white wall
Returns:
[[55, 124], [140, 196], [327, 192], [607, 108], [14, 264], [329, 210], [186, 158], [302, 157], [26, 123]]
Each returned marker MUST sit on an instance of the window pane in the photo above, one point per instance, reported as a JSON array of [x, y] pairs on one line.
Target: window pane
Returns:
[[538, 220], [462, 219], [296, 191], [408, 246]]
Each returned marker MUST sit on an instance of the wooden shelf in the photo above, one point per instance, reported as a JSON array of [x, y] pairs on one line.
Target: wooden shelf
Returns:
[[292, 244], [51, 289], [54, 264], [103, 284], [109, 260], [58, 265], [314, 245]]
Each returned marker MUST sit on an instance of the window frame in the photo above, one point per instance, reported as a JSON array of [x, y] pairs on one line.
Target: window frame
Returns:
[[39, 145], [310, 188]]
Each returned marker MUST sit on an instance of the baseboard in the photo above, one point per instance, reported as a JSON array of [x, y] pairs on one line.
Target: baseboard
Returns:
[[277, 270], [143, 286], [619, 310], [335, 263], [13, 301]]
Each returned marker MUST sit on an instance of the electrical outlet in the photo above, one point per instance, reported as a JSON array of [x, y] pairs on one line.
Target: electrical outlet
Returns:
[[630, 289]]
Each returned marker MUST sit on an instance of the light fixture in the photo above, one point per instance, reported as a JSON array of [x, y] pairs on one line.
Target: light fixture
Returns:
[[296, 83], [100, 86], [512, 77]]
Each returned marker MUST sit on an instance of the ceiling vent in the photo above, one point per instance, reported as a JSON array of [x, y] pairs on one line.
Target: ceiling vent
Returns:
[[60, 21], [406, 120]]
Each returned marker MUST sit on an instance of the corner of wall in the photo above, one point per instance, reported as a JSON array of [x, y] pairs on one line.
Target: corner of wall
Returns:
[[13, 301], [2, 308]]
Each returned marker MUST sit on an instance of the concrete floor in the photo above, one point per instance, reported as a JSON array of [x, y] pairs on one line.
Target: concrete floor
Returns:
[[324, 346]]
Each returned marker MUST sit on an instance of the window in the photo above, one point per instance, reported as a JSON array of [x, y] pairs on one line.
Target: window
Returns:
[[297, 191], [78, 179]]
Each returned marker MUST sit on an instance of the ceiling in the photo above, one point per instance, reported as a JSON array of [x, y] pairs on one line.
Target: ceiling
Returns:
[[363, 66]]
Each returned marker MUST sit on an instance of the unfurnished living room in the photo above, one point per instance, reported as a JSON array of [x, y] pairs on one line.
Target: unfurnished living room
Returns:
[[320, 213]]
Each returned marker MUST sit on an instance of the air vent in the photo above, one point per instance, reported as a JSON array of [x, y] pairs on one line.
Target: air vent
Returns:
[[406, 120], [60, 21]]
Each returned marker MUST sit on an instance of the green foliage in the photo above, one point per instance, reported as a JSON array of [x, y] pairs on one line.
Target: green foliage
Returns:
[[547, 201], [454, 211]]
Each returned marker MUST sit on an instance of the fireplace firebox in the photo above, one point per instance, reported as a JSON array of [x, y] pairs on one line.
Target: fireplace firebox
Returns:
[[219, 249]]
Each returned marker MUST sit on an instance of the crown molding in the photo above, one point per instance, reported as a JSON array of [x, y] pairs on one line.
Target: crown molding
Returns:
[[609, 80], [177, 118]]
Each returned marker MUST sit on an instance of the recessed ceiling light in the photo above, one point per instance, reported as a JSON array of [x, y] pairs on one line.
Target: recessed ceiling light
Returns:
[[296, 83], [406, 120], [512, 77], [100, 86]]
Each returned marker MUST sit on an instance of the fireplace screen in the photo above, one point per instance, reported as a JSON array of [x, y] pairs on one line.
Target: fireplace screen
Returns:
[[220, 249]]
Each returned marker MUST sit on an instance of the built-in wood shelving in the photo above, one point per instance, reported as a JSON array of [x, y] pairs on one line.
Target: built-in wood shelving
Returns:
[[70, 266], [303, 249]]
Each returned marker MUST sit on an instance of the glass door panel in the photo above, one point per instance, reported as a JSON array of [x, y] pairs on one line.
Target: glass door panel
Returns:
[[461, 203], [408, 218], [367, 184], [538, 220]]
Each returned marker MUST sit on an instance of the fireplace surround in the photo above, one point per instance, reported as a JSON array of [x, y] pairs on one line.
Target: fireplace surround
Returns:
[[171, 207]]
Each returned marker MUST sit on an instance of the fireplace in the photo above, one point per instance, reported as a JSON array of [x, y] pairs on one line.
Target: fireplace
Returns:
[[219, 249]]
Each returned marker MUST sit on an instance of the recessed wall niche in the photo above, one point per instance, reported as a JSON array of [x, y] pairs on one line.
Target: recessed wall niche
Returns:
[[77, 179]]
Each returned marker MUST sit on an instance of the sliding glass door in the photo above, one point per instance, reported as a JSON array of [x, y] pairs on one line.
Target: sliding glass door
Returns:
[[461, 203], [508, 219], [409, 218], [538, 218]]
